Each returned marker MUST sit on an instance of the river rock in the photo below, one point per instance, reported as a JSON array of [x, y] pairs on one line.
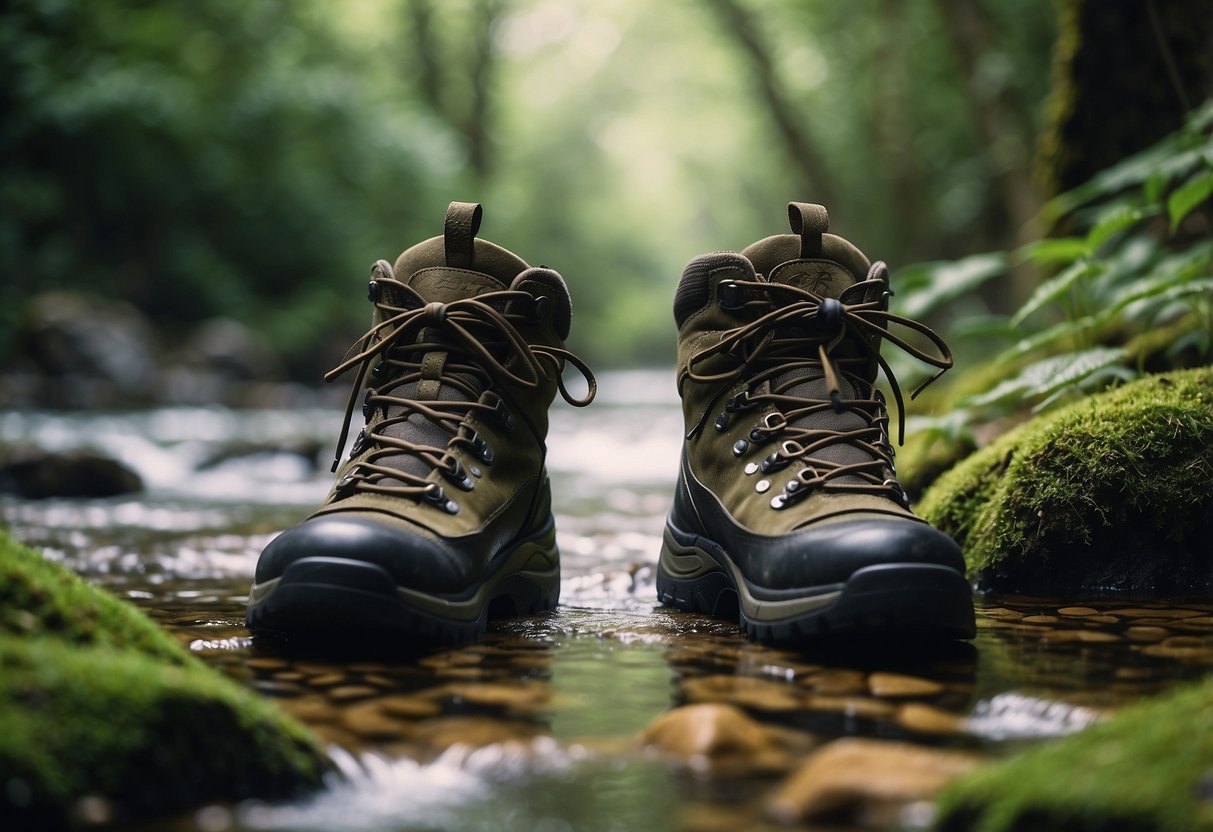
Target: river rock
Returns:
[[99, 702], [1108, 495], [851, 774], [36, 474], [90, 351], [708, 730]]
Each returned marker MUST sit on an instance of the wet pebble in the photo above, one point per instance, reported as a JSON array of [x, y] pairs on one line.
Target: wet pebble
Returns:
[[1079, 636], [852, 774], [708, 730], [896, 685], [760, 694], [927, 719], [514, 697], [1041, 619], [410, 707], [1166, 613], [838, 682], [472, 731], [311, 709], [1077, 612], [1000, 614], [326, 680], [852, 706], [267, 663], [349, 693], [1183, 648], [367, 721], [1146, 633]]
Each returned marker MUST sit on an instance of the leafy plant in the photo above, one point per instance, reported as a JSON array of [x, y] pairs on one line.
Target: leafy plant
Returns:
[[1127, 257]]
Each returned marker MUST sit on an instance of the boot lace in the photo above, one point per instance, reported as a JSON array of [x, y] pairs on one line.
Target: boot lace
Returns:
[[795, 339], [483, 350]]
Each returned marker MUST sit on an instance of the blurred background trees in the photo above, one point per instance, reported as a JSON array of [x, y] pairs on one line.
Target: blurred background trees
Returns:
[[249, 160]]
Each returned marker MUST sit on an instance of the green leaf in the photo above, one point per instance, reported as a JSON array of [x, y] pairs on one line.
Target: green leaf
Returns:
[[934, 284], [1053, 251], [1049, 336], [1112, 224], [1188, 197], [1154, 187], [1047, 375], [1055, 287]]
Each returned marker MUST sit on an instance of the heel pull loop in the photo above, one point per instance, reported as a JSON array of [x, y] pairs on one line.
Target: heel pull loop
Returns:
[[459, 233], [809, 221]]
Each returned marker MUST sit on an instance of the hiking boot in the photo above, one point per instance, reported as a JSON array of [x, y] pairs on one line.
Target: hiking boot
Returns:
[[441, 516], [788, 505]]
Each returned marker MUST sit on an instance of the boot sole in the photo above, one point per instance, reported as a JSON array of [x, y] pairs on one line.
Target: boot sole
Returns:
[[899, 600], [327, 598]]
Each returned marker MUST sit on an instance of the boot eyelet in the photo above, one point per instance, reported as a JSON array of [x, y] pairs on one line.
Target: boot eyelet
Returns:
[[451, 507], [503, 416], [360, 444], [366, 405], [722, 422], [475, 472], [778, 502], [373, 291], [457, 476], [482, 450], [539, 309], [740, 447], [741, 401], [762, 486], [751, 468], [729, 296], [775, 462]]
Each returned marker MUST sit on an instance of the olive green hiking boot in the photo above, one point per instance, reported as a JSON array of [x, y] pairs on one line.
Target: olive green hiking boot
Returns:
[[788, 505], [441, 516]]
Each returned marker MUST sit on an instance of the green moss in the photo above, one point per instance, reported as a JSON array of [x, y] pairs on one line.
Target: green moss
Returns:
[[95, 699], [1111, 493], [38, 597], [1150, 769]]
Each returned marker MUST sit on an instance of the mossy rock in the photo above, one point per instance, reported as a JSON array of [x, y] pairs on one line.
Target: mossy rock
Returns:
[[96, 701], [1109, 495], [1149, 769]]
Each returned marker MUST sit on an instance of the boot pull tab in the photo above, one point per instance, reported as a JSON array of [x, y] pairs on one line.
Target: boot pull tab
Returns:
[[459, 233], [810, 222]]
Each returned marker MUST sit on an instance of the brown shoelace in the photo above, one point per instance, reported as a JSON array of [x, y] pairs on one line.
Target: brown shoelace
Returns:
[[484, 349], [793, 341]]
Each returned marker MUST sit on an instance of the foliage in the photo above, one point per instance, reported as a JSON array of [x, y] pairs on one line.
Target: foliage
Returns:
[[252, 159], [1137, 256]]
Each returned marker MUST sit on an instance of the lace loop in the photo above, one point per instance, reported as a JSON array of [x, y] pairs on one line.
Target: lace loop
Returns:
[[481, 341]]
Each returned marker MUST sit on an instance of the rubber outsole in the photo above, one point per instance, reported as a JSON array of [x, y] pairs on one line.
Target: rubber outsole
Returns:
[[905, 601], [331, 599]]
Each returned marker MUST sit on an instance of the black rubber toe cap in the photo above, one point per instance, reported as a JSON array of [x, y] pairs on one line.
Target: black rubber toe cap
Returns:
[[831, 553], [413, 561]]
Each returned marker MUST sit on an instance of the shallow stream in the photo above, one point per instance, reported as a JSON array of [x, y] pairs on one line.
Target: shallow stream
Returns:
[[536, 727]]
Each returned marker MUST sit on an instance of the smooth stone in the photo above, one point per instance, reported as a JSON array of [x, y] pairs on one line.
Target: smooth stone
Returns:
[[1148, 612], [326, 680], [896, 685], [838, 682], [1146, 633], [1102, 618], [1077, 611], [289, 676], [451, 658], [409, 707], [927, 719], [266, 663], [852, 773], [1084, 636], [517, 697], [1041, 619], [760, 694], [311, 709], [367, 721], [852, 706], [708, 730], [1000, 614], [346, 693], [472, 731]]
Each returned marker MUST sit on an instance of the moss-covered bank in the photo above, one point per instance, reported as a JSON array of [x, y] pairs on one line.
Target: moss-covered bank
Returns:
[[1112, 494], [97, 701], [1150, 769]]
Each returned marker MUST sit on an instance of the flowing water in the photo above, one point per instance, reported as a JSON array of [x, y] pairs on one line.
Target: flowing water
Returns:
[[537, 726]]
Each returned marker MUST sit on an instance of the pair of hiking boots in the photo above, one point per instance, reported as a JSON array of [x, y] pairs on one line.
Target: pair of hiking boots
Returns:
[[787, 513]]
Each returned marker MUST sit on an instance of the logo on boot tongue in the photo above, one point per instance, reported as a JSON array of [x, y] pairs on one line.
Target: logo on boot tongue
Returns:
[[825, 283]]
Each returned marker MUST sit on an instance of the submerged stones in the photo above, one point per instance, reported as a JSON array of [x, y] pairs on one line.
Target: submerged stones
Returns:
[[1108, 495]]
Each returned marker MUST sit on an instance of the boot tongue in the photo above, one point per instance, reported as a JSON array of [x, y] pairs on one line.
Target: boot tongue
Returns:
[[826, 265]]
